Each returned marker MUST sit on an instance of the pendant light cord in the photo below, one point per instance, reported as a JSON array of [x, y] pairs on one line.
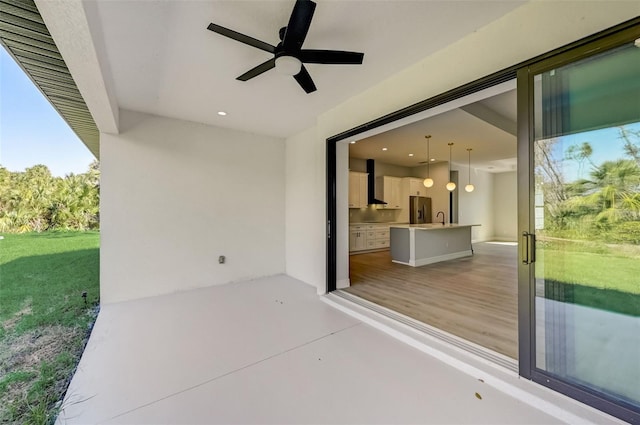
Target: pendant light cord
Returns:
[[428, 137], [450, 144], [469, 150]]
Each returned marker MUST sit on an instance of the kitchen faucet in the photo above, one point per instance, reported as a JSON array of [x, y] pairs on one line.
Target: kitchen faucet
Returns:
[[438, 214]]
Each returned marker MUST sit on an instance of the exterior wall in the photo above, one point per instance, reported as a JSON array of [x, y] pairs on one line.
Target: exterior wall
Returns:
[[305, 185], [505, 199], [530, 30], [175, 195]]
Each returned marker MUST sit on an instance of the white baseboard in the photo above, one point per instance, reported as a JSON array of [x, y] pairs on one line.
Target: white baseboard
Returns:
[[502, 239], [445, 257], [439, 258]]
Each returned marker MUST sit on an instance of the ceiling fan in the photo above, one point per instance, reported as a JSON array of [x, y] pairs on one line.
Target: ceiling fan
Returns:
[[288, 55]]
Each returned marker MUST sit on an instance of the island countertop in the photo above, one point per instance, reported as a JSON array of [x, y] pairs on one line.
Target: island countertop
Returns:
[[421, 244]]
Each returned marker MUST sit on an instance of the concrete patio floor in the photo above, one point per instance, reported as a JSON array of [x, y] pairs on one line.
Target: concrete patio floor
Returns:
[[271, 351]]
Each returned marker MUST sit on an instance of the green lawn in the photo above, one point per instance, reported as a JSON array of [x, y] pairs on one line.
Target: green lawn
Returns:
[[599, 271], [608, 280], [44, 318]]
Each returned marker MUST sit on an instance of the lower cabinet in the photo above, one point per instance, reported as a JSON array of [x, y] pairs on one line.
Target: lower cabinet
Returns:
[[357, 240], [368, 237]]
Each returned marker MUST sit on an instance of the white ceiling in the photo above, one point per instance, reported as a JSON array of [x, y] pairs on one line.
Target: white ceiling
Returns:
[[164, 61], [493, 147]]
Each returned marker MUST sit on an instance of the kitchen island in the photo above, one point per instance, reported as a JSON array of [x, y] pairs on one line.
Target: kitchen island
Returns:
[[421, 244]]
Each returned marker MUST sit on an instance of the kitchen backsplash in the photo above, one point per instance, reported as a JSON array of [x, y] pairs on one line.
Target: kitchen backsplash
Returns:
[[371, 214]]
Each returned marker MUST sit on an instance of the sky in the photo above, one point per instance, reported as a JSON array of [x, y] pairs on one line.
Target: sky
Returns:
[[31, 131], [606, 143]]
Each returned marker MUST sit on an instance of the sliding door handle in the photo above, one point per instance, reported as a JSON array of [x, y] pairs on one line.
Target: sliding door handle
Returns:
[[528, 248], [532, 247], [524, 247]]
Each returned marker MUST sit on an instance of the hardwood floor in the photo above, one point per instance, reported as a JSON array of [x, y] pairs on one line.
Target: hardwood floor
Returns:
[[474, 298]]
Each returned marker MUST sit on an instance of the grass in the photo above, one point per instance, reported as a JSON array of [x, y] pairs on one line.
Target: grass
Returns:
[[44, 320], [594, 275]]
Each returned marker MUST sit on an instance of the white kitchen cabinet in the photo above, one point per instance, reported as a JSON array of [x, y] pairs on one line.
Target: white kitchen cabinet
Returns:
[[357, 238], [358, 197], [416, 187], [380, 238], [389, 189], [366, 237]]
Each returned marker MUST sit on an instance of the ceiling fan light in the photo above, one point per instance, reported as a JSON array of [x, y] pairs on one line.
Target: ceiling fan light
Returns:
[[288, 65], [451, 186], [469, 188], [428, 182]]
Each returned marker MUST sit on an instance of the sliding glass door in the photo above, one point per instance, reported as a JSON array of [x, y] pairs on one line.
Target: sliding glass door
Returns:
[[580, 247]]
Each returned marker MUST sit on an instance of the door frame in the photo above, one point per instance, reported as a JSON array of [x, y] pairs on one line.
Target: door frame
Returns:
[[526, 225]]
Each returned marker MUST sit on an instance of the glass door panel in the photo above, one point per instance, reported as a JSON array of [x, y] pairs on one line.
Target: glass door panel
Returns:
[[586, 159]]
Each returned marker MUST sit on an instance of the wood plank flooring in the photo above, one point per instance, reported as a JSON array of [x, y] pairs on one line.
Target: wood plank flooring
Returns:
[[474, 298]]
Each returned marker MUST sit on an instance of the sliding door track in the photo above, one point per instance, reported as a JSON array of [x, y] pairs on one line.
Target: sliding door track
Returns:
[[470, 347]]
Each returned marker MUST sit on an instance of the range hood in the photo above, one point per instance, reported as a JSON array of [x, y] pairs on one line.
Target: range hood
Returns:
[[371, 180]]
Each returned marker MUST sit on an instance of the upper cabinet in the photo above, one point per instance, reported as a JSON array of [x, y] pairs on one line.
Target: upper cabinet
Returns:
[[389, 189], [358, 190], [416, 187]]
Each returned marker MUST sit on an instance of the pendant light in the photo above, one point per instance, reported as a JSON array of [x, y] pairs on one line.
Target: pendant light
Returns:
[[469, 187], [451, 186], [428, 182]]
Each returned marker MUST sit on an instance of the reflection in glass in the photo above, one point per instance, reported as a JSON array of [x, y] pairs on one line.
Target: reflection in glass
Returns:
[[587, 220]]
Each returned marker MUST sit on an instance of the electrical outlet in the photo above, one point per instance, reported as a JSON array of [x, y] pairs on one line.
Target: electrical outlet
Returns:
[[221, 259]]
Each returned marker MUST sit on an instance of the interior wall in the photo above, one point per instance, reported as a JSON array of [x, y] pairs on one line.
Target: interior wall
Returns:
[[505, 199], [358, 164], [477, 207], [371, 214], [175, 195], [514, 38]]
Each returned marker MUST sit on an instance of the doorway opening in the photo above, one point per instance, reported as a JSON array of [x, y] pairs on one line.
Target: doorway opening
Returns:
[[468, 292]]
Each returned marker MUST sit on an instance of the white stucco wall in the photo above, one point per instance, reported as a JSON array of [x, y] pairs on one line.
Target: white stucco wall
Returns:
[[175, 195], [305, 187], [505, 200], [531, 30]]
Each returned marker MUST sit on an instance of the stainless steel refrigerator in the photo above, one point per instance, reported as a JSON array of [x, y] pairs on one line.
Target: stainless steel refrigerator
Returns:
[[419, 209]]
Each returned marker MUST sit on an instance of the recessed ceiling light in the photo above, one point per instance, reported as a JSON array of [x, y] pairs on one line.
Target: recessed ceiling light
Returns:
[[384, 149], [433, 159], [222, 113], [410, 154], [353, 142]]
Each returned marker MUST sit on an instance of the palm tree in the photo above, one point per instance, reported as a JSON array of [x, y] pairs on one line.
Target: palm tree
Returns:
[[610, 197]]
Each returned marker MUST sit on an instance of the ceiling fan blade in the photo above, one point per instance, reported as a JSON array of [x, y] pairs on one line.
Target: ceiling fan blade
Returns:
[[304, 79], [242, 38], [263, 67], [332, 57], [299, 24]]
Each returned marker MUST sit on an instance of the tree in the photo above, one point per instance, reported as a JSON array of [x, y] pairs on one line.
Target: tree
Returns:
[[34, 200], [580, 153]]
